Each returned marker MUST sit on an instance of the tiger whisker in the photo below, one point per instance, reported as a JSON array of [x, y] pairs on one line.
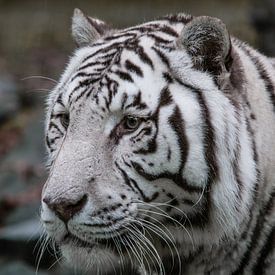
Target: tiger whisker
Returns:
[[39, 90], [133, 250], [148, 250], [167, 228], [118, 248], [168, 216], [200, 197], [172, 219], [41, 251], [145, 246], [153, 249], [137, 246], [141, 239], [55, 262], [122, 242], [111, 262], [39, 76], [40, 239], [160, 232], [169, 205], [161, 224]]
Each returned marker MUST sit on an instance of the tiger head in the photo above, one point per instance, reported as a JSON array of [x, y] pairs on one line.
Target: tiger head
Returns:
[[143, 133]]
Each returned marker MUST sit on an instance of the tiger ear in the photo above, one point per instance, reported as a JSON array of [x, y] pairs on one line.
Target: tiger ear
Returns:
[[208, 42], [86, 30]]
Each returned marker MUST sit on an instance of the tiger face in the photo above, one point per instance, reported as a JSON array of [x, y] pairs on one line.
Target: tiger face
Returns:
[[138, 136]]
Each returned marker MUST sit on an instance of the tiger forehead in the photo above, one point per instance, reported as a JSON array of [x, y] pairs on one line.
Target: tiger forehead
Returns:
[[105, 54], [133, 39], [99, 55], [110, 63]]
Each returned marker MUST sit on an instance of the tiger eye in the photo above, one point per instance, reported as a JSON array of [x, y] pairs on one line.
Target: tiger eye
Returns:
[[131, 122], [65, 120]]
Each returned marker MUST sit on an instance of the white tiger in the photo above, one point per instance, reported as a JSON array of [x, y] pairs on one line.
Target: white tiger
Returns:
[[161, 151]]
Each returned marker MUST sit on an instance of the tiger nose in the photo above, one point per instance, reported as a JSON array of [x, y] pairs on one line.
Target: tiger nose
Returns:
[[65, 209]]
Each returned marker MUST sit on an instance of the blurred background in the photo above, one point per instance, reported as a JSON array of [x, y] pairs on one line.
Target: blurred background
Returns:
[[35, 45]]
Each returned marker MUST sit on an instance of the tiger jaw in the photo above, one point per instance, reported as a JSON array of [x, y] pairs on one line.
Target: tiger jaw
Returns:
[[89, 256], [117, 246], [77, 246]]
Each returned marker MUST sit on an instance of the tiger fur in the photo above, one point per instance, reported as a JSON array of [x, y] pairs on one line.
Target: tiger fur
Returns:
[[161, 143]]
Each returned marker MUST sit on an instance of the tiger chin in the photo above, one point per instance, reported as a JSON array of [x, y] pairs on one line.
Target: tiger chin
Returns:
[[160, 141]]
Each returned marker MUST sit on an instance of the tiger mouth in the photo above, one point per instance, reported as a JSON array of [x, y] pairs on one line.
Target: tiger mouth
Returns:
[[70, 239], [108, 241], [111, 239]]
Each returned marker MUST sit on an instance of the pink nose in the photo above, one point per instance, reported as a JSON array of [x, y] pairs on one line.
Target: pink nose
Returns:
[[65, 209]]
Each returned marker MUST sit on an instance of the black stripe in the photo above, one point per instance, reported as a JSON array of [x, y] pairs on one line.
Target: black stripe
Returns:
[[133, 68], [124, 76], [176, 121], [151, 147], [53, 125], [58, 116], [167, 77], [107, 103], [138, 49], [137, 103], [165, 99], [236, 170], [158, 39], [269, 86], [168, 30], [176, 178], [143, 29], [48, 143], [123, 101], [199, 218], [146, 131], [112, 87], [125, 177], [169, 153], [261, 217], [82, 94], [60, 101], [88, 75], [178, 18], [89, 93], [145, 198], [267, 248], [51, 141], [120, 35], [129, 181], [84, 83], [209, 138], [154, 27], [103, 50], [94, 63], [163, 58]]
